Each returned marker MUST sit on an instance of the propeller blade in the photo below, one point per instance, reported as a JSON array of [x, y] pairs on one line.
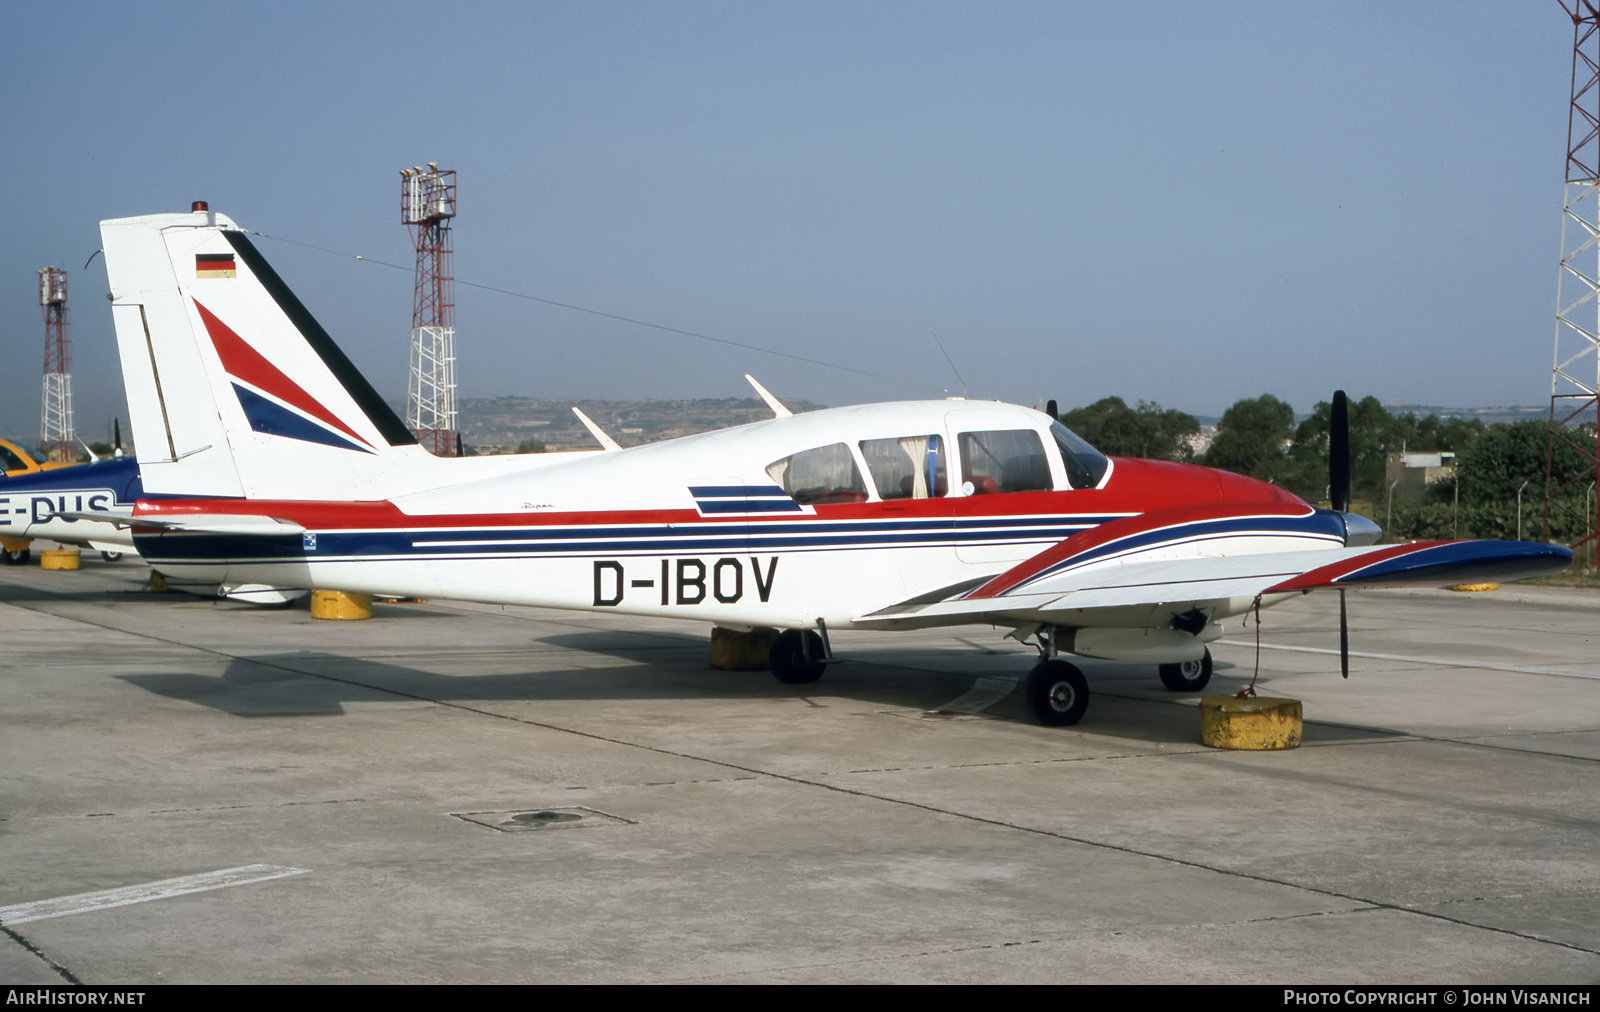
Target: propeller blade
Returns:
[[1339, 452], [1050, 409], [1344, 638], [116, 433]]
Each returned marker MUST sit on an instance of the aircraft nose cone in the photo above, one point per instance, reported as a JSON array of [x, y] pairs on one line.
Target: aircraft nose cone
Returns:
[[1359, 531]]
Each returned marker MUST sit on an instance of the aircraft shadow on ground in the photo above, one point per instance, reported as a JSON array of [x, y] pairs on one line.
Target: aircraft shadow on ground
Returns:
[[310, 684], [321, 684], [13, 593]]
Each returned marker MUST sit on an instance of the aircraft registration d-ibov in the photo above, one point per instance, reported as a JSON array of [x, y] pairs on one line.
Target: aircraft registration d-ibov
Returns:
[[268, 459]]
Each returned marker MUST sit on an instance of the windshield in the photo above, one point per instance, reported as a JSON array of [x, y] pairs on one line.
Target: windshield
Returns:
[[13, 463], [1085, 465]]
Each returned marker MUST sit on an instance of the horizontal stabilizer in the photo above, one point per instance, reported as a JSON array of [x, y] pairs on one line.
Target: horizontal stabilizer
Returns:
[[117, 520], [213, 523]]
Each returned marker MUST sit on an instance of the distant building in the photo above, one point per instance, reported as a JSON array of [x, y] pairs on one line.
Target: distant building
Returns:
[[1200, 442], [1411, 473]]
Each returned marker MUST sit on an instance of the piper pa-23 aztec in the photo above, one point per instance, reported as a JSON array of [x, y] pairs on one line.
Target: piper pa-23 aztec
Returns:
[[268, 460]]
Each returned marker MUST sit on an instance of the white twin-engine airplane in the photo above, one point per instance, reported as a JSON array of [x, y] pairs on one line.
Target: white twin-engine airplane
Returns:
[[268, 460]]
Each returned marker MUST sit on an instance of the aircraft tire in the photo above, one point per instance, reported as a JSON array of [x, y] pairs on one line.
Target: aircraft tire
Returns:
[[1057, 693], [19, 558], [111, 556], [1188, 676], [796, 657]]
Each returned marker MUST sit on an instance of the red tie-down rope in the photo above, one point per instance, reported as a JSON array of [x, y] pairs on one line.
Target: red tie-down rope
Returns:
[[1250, 690]]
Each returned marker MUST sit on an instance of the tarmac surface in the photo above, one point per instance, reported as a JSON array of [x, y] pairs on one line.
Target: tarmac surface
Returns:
[[340, 801]]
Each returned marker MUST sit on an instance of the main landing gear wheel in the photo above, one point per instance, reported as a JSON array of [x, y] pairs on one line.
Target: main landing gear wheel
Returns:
[[1188, 676], [1057, 693], [111, 556], [19, 557], [797, 657]]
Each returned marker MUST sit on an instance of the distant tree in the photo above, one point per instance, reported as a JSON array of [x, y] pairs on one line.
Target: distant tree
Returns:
[[1435, 434], [1251, 438], [1146, 431], [530, 446], [1493, 464], [1504, 456], [1374, 434]]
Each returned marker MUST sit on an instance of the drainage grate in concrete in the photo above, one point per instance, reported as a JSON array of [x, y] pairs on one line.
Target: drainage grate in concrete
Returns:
[[538, 819]]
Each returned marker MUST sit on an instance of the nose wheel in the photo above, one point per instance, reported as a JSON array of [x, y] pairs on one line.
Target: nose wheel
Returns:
[[1057, 693]]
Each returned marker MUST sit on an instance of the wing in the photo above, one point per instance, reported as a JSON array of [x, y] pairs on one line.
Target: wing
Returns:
[[1184, 567]]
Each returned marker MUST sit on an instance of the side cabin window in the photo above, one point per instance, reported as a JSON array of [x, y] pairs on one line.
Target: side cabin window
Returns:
[[1085, 465], [1005, 460], [10, 461], [906, 467], [827, 474]]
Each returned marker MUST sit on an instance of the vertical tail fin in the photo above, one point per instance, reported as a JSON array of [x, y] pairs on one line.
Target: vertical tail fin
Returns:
[[233, 388]]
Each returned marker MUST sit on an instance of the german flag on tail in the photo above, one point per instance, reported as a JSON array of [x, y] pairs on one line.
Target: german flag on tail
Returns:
[[214, 265]]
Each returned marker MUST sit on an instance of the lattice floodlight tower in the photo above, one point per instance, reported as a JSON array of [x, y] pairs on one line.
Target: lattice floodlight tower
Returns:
[[1575, 380], [55, 419], [427, 203]]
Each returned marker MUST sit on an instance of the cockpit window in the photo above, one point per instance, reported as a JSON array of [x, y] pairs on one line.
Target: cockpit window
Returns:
[[1006, 460], [827, 474], [907, 467], [27, 451], [1086, 466]]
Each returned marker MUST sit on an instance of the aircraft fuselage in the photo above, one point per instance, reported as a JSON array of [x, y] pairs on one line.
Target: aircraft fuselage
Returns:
[[828, 515]]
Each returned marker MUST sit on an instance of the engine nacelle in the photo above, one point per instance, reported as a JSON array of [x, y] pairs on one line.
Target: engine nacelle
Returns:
[[1149, 646]]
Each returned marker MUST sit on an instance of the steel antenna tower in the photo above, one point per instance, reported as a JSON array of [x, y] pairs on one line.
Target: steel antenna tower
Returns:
[[1575, 380], [55, 419], [427, 203]]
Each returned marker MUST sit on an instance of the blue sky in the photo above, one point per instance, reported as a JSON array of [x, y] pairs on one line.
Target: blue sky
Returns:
[[1178, 202]]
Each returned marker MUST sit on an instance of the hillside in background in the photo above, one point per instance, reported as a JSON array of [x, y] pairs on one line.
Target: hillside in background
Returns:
[[500, 424]]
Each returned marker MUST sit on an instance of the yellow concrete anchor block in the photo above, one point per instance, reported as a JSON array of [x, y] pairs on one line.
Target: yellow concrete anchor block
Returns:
[[732, 650], [337, 605], [59, 558], [1255, 723]]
